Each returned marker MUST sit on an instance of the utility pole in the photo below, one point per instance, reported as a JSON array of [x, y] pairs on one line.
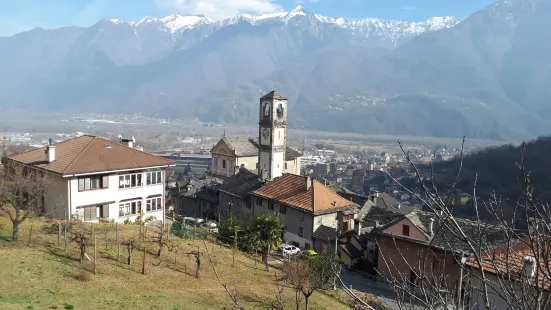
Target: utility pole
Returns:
[[336, 253]]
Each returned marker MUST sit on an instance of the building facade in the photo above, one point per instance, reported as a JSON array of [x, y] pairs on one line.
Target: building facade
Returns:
[[92, 178]]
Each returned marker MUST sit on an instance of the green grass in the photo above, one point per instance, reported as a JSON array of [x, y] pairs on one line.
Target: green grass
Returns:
[[44, 276]]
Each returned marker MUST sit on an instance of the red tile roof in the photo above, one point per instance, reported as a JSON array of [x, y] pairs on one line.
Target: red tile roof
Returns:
[[90, 154], [291, 189], [509, 259]]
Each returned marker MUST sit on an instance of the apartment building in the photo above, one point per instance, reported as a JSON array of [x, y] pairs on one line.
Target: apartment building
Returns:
[[93, 178]]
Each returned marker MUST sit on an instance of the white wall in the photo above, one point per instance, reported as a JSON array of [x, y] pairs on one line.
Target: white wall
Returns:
[[279, 136], [113, 193], [278, 164], [329, 220]]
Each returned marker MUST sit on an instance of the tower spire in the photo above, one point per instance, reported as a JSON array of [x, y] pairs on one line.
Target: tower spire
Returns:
[[224, 133]]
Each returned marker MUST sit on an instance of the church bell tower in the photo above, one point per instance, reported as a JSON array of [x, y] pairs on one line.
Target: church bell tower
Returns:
[[272, 135]]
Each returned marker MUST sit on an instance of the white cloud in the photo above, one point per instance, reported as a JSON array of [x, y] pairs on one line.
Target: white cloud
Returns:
[[218, 8]]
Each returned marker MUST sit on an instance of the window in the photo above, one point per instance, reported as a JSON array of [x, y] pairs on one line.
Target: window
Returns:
[[301, 218], [259, 201], [130, 208], [300, 231], [153, 204], [93, 213], [248, 205], [93, 182], [223, 164], [285, 166], [154, 177], [405, 230], [282, 209], [348, 217], [271, 205], [130, 180]]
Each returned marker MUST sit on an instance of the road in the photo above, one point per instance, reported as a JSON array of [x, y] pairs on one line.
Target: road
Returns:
[[361, 283]]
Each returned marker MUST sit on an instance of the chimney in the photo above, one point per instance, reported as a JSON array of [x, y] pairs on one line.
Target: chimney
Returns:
[[529, 267], [308, 182], [50, 152], [431, 227], [357, 226], [377, 194]]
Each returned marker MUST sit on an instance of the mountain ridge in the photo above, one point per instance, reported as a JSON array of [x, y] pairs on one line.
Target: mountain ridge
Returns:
[[482, 77]]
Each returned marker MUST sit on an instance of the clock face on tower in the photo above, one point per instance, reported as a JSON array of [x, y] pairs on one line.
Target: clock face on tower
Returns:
[[266, 133]]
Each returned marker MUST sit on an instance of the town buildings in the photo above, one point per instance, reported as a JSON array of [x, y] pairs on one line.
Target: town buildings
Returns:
[[262, 176], [93, 178]]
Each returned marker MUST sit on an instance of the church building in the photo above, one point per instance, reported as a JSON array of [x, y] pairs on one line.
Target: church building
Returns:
[[267, 155]]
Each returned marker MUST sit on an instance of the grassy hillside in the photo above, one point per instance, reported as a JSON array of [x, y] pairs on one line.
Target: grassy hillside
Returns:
[[42, 275]]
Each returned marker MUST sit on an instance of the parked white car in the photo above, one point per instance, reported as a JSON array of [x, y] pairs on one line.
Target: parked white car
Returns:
[[212, 227], [290, 250]]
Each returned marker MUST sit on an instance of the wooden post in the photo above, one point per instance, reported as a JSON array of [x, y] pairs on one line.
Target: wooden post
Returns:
[[234, 247], [58, 233], [143, 260], [65, 230], [30, 235], [118, 241], [95, 253]]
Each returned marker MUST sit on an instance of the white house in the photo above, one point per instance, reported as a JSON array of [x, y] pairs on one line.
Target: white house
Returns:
[[98, 178]]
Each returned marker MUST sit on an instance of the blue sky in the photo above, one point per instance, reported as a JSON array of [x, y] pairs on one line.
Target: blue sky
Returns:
[[21, 15]]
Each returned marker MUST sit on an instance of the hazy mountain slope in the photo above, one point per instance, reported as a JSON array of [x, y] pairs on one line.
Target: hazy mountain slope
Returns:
[[486, 77]]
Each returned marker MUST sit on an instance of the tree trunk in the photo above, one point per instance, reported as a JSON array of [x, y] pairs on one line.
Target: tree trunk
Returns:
[[297, 299], [130, 248], [15, 230], [267, 257], [198, 271], [306, 305], [82, 246]]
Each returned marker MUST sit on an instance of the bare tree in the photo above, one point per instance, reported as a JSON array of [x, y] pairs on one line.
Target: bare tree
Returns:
[[307, 276], [161, 240], [233, 296], [130, 245], [501, 259], [80, 235], [21, 194], [197, 255]]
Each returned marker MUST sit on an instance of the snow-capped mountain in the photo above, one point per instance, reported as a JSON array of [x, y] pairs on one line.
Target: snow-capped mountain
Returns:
[[438, 77], [183, 31]]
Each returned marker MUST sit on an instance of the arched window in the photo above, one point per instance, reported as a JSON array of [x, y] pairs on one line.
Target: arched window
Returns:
[[280, 110]]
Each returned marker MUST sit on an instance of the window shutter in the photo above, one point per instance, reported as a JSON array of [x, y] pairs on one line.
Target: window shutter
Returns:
[[87, 214], [105, 211], [105, 182]]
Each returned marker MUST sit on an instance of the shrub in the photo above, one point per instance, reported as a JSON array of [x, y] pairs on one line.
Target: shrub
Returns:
[[83, 276], [68, 306]]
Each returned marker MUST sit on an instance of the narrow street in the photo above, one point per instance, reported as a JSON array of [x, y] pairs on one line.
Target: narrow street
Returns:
[[359, 282]]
